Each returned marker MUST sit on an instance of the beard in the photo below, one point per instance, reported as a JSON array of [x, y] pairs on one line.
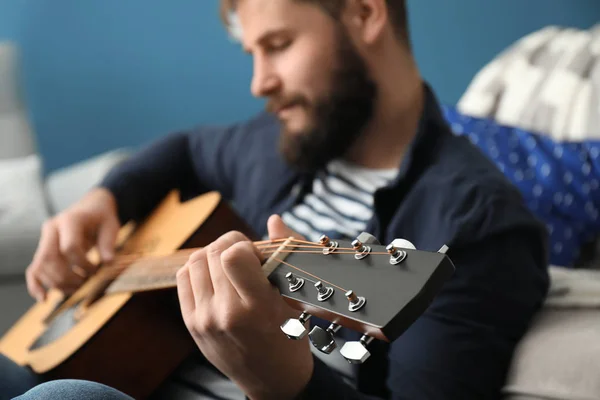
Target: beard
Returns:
[[337, 119]]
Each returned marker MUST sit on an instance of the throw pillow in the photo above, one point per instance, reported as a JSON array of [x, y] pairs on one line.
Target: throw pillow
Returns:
[[559, 180], [22, 212]]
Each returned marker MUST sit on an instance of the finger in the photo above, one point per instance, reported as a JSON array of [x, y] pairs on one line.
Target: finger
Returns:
[[242, 267], [34, 286], [46, 253], [72, 244], [220, 281], [107, 237], [279, 230], [59, 277], [185, 293], [48, 246], [200, 279]]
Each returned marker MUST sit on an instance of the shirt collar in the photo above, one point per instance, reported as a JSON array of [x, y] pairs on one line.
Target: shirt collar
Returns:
[[429, 130]]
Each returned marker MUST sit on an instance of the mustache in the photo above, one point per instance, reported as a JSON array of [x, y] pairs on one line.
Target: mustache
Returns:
[[275, 104]]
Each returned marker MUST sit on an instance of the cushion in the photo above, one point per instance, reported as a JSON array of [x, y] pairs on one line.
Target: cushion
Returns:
[[67, 185], [22, 212], [559, 357], [559, 180]]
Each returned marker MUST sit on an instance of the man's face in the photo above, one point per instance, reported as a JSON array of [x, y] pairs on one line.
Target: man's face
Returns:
[[313, 78]]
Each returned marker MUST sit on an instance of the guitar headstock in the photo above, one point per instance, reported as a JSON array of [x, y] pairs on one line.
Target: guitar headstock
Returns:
[[377, 290]]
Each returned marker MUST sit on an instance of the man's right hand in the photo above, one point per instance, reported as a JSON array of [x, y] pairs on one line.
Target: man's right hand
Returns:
[[60, 261]]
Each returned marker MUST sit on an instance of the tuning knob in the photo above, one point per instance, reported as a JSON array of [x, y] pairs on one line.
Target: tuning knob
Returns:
[[323, 339], [328, 244], [294, 328], [396, 255], [295, 282], [356, 352], [356, 302], [403, 244], [367, 238], [323, 293]]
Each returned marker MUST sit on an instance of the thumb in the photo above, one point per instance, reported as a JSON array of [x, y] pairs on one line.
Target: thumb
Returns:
[[107, 236], [279, 230]]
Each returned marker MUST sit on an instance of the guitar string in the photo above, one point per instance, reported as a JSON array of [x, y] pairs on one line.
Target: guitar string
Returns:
[[298, 269], [261, 244], [129, 259], [155, 268], [167, 264], [170, 268], [184, 252], [309, 274]]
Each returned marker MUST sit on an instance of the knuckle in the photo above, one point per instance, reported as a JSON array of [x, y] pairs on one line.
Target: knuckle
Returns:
[[236, 236], [215, 248], [196, 256], [182, 272], [229, 255], [71, 246], [200, 325], [229, 239], [30, 272], [235, 251], [229, 320]]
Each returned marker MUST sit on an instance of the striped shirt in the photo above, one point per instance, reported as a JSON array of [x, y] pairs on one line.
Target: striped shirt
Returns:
[[341, 202], [339, 206]]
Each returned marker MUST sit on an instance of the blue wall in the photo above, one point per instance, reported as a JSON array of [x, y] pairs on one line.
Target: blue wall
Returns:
[[109, 73]]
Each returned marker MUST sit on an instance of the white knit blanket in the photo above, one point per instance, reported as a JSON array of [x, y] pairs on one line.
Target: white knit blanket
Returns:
[[546, 82]]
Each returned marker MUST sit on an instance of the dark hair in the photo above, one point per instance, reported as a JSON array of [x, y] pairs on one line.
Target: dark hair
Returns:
[[396, 8]]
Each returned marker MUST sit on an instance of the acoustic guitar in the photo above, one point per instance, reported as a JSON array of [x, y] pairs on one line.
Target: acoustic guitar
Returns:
[[123, 327]]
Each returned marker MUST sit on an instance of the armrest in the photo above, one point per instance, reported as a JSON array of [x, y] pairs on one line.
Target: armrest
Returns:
[[559, 357], [67, 185]]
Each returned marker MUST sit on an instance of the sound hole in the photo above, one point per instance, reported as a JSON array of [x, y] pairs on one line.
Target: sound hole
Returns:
[[59, 325]]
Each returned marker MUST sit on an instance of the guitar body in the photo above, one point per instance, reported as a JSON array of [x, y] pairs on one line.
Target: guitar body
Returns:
[[129, 341]]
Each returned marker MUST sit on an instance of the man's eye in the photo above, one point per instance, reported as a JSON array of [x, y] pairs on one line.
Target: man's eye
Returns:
[[278, 45]]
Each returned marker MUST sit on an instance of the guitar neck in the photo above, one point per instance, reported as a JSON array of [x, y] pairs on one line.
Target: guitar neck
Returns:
[[161, 272], [151, 273]]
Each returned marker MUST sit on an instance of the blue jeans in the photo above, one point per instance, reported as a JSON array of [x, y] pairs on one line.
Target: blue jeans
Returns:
[[20, 383]]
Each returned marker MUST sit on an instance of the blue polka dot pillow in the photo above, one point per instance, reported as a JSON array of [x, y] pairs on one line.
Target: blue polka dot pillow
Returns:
[[560, 181]]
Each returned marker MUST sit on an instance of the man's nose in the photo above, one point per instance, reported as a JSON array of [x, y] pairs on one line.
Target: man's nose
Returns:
[[264, 80]]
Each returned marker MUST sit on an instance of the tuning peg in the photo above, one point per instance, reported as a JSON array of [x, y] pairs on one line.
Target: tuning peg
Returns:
[[294, 328], [356, 303], [295, 282], [323, 292], [356, 352], [323, 339], [396, 256], [361, 249], [329, 244]]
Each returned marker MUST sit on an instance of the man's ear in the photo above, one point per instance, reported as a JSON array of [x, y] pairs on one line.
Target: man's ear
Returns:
[[367, 19]]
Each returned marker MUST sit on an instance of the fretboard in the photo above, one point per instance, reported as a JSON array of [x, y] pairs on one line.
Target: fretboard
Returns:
[[154, 273]]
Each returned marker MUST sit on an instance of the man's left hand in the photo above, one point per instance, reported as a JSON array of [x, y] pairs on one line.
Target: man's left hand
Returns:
[[234, 314]]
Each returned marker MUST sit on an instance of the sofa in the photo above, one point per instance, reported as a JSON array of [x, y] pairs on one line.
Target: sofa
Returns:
[[557, 359], [29, 196]]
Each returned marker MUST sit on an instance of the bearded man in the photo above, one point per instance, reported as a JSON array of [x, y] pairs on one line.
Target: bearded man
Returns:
[[353, 140]]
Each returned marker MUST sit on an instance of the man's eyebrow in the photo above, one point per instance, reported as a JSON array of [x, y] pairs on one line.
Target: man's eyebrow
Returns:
[[265, 37]]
